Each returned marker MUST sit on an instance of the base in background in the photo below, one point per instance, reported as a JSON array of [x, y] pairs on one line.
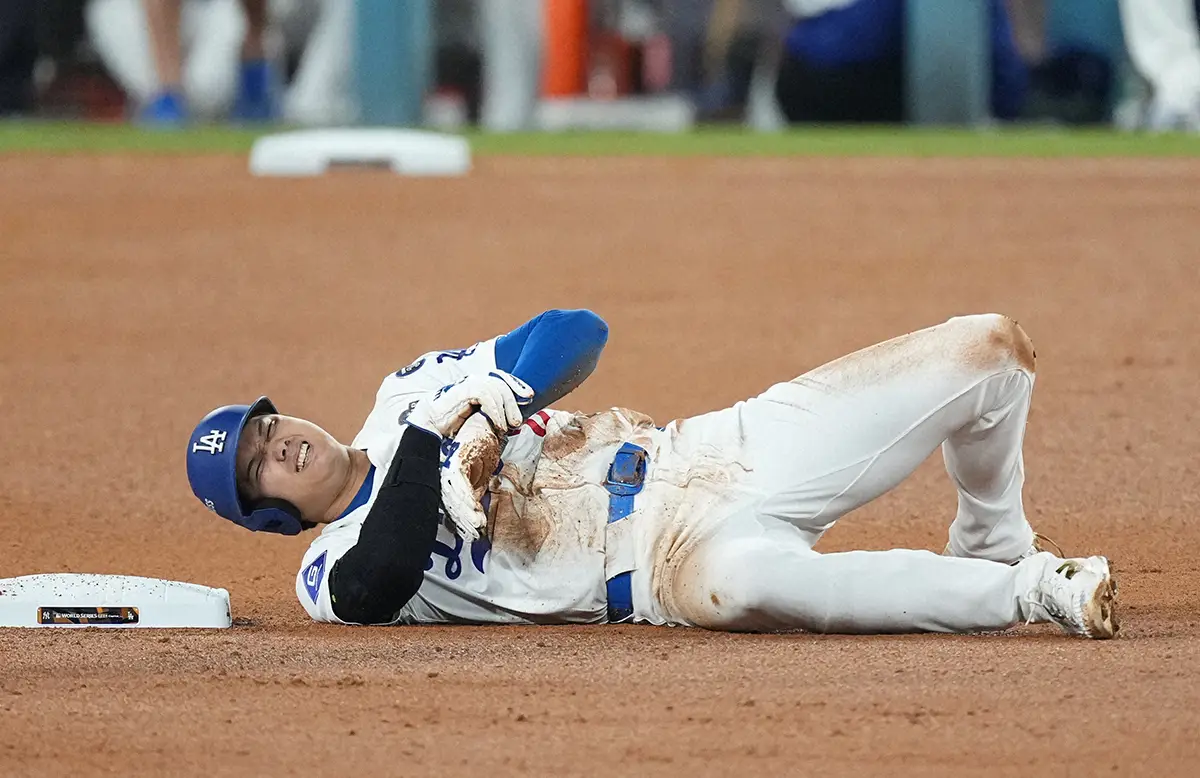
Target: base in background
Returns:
[[405, 152], [668, 113], [87, 600]]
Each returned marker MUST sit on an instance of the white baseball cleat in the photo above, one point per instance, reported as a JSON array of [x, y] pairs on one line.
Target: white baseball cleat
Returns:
[[1078, 595]]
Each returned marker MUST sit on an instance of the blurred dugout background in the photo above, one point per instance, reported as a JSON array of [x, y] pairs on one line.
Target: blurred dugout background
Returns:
[[634, 64]]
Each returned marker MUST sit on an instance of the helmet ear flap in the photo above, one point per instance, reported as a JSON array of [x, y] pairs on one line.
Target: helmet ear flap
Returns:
[[275, 515], [283, 505]]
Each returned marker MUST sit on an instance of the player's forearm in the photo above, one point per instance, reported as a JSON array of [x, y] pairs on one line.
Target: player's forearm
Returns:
[[554, 353], [382, 572]]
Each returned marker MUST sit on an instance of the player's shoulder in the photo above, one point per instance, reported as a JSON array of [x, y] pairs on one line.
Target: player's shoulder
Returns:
[[433, 362], [399, 391]]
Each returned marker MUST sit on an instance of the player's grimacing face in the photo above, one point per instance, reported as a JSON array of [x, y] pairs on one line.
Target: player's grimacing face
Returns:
[[291, 459]]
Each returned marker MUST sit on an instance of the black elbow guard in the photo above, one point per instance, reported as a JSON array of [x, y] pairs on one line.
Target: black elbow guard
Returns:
[[417, 460], [372, 581]]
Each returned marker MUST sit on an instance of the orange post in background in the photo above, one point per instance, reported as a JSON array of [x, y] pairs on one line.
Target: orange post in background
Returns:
[[564, 71]]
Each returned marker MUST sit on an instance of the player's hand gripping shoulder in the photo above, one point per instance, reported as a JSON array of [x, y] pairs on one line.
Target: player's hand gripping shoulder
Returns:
[[466, 474], [497, 395]]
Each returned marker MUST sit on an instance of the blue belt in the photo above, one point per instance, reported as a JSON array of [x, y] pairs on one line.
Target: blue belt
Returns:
[[626, 477]]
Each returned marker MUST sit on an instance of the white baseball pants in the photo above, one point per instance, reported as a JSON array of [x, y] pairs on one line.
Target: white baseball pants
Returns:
[[511, 35], [830, 441], [1164, 45]]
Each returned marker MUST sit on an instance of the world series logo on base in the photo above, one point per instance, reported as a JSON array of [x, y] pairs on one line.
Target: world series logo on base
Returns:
[[93, 616]]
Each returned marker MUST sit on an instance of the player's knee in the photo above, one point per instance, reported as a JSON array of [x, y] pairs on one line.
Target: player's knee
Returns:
[[993, 341]]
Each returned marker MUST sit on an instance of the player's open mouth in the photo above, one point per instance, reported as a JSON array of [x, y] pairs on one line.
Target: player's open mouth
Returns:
[[302, 457]]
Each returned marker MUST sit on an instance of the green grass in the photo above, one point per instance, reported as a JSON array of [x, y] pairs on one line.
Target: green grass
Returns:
[[71, 137]]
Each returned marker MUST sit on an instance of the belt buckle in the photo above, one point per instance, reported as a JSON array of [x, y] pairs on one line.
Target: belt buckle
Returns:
[[627, 473]]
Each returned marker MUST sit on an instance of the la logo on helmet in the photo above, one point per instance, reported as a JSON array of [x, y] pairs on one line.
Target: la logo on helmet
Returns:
[[212, 443]]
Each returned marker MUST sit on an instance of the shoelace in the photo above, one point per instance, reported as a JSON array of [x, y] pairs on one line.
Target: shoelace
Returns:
[[1039, 539], [1051, 590]]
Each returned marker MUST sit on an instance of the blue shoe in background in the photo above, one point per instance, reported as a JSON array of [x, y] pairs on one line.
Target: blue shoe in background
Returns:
[[256, 94], [166, 111]]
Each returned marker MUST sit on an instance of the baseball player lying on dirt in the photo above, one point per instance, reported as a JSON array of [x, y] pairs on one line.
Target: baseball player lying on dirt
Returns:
[[464, 499]]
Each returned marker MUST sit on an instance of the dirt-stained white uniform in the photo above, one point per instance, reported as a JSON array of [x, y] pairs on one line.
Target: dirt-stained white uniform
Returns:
[[721, 535]]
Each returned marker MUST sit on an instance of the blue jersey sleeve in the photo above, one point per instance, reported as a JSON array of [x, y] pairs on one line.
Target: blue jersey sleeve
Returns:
[[553, 352]]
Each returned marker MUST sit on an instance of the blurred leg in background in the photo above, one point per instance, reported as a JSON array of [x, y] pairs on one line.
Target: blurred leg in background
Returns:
[[319, 35], [1164, 45], [163, 22], [18, 53], [510, 33], [685, 22], [726, 59], [318, 43], [179, 59], [762, 108], [117, 29], [143, 43], [214, 34], [257, 87], [720, 49]]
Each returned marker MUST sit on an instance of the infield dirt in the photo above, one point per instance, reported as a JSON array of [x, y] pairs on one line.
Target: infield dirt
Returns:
[[141, 291]]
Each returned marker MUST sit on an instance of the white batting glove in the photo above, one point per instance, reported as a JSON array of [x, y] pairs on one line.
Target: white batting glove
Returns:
[[465, 476], [497, 395]]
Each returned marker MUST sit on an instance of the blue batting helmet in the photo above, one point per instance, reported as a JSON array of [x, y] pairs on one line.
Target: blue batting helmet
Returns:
[[212, 471]]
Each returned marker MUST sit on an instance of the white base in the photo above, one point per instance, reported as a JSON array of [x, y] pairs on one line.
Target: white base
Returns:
[[123, 601], [405, 152]]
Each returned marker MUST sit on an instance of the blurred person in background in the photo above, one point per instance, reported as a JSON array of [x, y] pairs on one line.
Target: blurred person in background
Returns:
[[180, 60], [1163, 41], [719, 48], [843, 61], [1072, 65], [293, 59], [487, 63], [18, 53]]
